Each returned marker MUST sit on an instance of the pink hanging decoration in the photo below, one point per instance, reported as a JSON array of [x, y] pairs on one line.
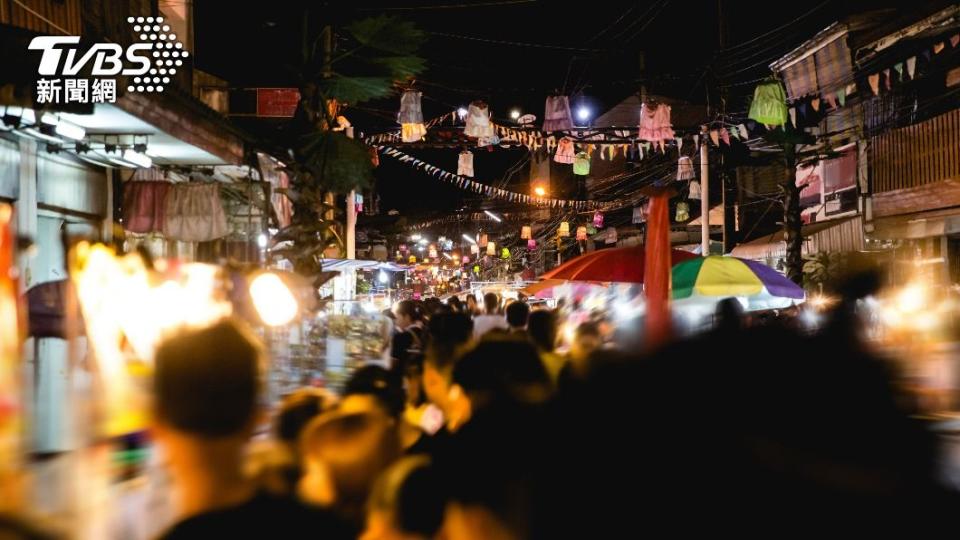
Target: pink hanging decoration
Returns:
[[531, 244], [597, 219]]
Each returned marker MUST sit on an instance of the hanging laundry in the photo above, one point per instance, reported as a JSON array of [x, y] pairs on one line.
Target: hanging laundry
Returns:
[[557, 116], [769, 104], [145, 206], [911, 67], [581, 164], [565, 153], [465, 164], [655, 124], [194, 213], [694, 190], [874, 81], [478, 121], [685, 168], [411, 117], [639, 216], [683, 212]]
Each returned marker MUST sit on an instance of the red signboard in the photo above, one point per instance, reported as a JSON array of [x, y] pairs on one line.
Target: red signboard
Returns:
[[281, 102]]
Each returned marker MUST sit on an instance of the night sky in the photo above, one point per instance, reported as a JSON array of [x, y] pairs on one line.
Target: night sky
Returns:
[[512, 53]]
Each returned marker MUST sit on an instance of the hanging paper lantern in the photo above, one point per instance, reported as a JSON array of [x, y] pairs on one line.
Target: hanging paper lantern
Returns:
[[433, 252], [412, 259], [694, 190], [411, 117], [476, 269], [581, 164], [685, 168], [591, 229], [403, 247], [639, 216], [448, 244], [683, 211], [483, 240], [491, 249], [581, 233], [358, 203], [442, 239], [504, 253], [466, 259], [531, 244], [769, 104], [598, 219], [525, 232], [474, 249], [611, 237], [564, 228]]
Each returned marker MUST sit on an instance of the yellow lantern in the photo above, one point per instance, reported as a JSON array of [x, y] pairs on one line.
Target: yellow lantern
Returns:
[[564, 229], [581, 233], [491, 249], [413, 259], [525, 232]]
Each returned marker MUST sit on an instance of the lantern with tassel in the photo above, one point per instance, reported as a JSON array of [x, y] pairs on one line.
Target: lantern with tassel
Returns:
[[564, 229], [412, 259], [581, 164], [694, 190], [476, 269], [491, 249], [474, 249], [411, 117], [685, 168], [525, 232], [504, 253], [769, 104], [531, 244], [581, 233], [598, 219], [683, 211]]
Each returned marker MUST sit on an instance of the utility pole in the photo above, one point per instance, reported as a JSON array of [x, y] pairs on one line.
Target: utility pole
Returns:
[[705, 193]]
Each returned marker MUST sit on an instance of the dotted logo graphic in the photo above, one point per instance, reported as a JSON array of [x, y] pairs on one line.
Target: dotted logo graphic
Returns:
[[167, 54]]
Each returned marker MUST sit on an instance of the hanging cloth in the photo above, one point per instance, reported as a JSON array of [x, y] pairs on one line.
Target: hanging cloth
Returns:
[[557, 116], [683, 212], [465, 164], [694, 190], [145, 206], [655, 123], [565, 153], [411, 117], [478, 121], [685, 168], [195, 213], [581, 164], [769, 104]]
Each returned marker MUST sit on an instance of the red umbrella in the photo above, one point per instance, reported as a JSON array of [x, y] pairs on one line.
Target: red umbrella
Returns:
[[621, 265]]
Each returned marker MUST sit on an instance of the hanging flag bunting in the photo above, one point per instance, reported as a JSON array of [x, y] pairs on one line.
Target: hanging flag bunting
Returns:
[[911, 67], [899, 69], [793, 116], [725, 136], [874, 81], [815, 103], [887, 81], [831, 100], [955, 40], [938, 47], [842, 96], [715, 137], [679, 144], [743, 132]]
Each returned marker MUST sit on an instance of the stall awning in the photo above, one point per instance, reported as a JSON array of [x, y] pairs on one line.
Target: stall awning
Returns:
[[837, 235], [347, 264], [916, 226]]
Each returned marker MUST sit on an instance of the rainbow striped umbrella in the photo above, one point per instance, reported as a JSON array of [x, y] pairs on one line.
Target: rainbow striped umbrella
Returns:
[[710, 279]]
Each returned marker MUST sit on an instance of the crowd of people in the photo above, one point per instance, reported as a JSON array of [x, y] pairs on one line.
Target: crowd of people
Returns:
[[481, 429]]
